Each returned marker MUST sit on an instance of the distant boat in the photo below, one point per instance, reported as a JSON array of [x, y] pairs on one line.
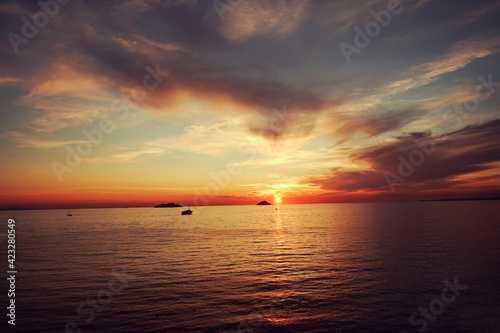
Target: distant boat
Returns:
[[69, 214], [187, 212]]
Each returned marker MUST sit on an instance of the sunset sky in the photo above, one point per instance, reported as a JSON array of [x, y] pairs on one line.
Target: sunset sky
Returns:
[[130, 103]]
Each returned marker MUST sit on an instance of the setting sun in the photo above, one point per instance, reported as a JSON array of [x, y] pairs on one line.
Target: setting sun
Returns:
[[278, 200]]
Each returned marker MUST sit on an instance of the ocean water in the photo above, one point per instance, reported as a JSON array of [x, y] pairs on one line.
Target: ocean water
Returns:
[[371, 267]]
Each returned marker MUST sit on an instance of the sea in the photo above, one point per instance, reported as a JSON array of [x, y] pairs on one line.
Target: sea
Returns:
[[345, 267]]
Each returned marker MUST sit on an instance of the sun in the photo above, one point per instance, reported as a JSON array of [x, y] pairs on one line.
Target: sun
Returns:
[[277, 199]]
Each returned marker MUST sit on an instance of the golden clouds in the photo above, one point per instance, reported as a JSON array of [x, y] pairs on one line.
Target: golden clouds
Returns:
[[261, 18]]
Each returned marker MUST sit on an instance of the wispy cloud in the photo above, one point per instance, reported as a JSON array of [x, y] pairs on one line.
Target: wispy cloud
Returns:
[[264, 19], [14, 8], [211, 140], [8, 81], [340, 17], [362, 110], [135, 154], [343, 126], [64, 98], [24, 140], [459, 55]]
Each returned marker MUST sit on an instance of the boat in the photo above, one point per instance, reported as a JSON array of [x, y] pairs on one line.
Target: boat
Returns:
[[187, 212], [69, 214]]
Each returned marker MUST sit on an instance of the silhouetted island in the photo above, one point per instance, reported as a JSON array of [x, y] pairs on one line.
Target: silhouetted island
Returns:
[[167, 205], [263, 203]]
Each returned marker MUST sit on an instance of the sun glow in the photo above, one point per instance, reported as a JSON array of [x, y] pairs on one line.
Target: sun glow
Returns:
[[277, 199]]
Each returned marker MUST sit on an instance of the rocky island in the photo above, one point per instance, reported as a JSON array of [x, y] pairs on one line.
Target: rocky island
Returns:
[[262, 203], [167, 205]]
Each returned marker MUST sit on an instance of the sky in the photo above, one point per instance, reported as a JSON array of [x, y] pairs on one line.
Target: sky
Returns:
[[135, 103]]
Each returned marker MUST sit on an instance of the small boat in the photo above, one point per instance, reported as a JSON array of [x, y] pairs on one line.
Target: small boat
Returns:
[[69, 214], [187, 212]]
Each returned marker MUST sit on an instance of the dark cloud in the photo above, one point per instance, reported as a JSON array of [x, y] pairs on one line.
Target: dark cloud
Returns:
[[282, 124], [115, 41], [438, 161], [370, 123], [199, 76]]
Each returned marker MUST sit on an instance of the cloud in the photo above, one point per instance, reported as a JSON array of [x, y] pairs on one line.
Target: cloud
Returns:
[[14, 8], [347, 14], [466, 152], [341, 17], [192, 83], [130, 155], [281, 125], [64, 97], [259, 18], [361, 109], [345, 125], [30, 141], [210, 140], [459, 55], [8, 81], [92, 55], [450, 20], [476, 14]]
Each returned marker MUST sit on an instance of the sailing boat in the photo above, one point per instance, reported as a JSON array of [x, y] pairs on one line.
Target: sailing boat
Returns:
[[187, 212], [69, 214]]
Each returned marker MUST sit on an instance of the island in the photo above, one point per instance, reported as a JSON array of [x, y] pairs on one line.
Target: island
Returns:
[[263, 203], [167, 205]]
